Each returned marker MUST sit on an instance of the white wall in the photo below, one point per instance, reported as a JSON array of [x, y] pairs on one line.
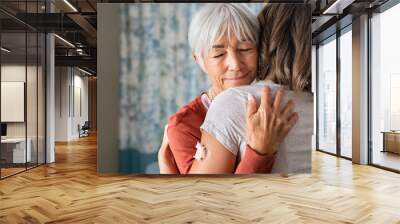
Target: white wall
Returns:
[[33, 126], [16, 73], [80, 83], [12, 73], [70, 83], [12, 101], [61, 103]]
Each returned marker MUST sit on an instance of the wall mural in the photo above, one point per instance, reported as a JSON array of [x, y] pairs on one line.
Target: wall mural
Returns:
[[158, 76]]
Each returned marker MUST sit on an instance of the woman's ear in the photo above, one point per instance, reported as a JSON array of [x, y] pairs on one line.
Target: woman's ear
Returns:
[[194, 57], [199, 61]]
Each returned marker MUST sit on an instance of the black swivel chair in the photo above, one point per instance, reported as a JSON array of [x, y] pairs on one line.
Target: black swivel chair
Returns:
[[84, 130]]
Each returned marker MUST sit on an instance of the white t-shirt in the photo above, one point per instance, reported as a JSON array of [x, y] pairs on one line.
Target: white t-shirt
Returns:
[[226, 121]]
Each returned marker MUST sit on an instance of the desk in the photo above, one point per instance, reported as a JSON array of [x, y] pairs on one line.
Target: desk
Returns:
[[16, 147], [391, 141]]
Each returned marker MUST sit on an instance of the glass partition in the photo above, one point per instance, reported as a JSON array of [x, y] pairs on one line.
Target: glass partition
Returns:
[[13, 105], [326, 97], [22, 88]]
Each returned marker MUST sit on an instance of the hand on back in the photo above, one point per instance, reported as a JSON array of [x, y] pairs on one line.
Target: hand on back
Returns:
[[268, 125]]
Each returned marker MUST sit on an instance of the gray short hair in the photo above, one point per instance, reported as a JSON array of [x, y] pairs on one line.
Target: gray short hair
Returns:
[[213, 21]]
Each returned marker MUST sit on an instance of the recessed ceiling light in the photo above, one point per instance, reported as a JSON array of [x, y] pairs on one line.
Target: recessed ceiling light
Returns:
[[84, 71], [65, 41], [70, 5], [338, 6], [5, 50]]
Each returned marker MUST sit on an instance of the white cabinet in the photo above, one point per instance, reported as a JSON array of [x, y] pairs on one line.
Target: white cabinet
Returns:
[[18, 149]]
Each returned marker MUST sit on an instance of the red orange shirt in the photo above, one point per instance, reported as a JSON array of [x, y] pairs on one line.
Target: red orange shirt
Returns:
[[184, 133]]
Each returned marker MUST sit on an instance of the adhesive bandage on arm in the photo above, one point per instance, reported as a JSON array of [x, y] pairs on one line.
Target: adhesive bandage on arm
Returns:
[[201, 152]]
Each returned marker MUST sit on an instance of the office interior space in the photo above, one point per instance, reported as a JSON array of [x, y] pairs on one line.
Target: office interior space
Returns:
[[60, 122], [39, 108]]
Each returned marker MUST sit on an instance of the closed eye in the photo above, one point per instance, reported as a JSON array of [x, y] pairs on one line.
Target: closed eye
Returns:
[[245, 49], [217, 56]]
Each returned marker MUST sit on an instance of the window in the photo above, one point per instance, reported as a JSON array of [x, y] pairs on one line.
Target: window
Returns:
[[346, 92], [385, 89], [326, 60]]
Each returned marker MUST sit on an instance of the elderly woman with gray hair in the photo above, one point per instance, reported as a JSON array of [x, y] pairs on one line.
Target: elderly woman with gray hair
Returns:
[[284, 63], [224, 42]]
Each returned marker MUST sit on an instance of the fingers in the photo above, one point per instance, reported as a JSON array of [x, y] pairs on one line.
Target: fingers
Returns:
[[293, 119], [291, 123], [288, 110], [266, 98], [251, 105], [278, 100]]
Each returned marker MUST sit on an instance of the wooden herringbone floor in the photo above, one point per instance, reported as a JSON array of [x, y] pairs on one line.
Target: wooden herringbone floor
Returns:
[[70, 191]]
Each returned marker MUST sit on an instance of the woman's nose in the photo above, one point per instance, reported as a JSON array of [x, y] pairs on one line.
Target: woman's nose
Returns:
[[233, 61]]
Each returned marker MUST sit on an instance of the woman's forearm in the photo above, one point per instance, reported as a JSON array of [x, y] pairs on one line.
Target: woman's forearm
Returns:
[[253, 162]]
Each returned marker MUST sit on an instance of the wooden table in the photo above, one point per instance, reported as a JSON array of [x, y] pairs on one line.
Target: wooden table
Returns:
[[391, 141]]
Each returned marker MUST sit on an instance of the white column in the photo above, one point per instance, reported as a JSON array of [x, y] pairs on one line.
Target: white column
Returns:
[[360, 90], [50, 100], [50, 92]]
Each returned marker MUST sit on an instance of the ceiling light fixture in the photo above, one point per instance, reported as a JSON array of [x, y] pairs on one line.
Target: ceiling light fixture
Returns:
[[70, 5], [338, 6], [5, 50], [86, 72], [79, 51], [65, 41]]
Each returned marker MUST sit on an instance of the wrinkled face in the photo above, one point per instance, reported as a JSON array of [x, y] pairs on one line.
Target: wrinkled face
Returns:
[[230, 63]]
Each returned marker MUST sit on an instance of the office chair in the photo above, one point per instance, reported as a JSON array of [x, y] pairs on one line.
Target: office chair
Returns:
[[84, 130]]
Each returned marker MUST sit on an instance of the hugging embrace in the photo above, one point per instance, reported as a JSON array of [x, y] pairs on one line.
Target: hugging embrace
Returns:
[[257, 117]]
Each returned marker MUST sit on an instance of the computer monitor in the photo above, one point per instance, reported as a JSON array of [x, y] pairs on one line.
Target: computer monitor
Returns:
[[3, 129]]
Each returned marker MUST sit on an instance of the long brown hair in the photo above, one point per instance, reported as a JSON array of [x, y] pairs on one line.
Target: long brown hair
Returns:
[[285, 45]]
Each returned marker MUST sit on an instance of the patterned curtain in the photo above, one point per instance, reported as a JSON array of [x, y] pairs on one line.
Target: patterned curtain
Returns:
[[158, 76]]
